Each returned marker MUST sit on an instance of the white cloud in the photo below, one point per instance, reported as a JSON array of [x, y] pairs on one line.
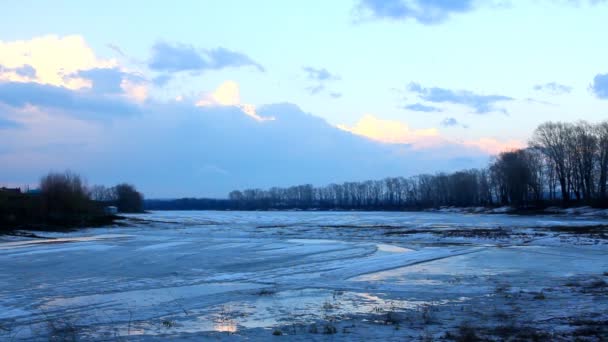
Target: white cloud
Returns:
[[392, 131], [56, 61], [54, 58], [494, 146], [229, 94], [397, 132]]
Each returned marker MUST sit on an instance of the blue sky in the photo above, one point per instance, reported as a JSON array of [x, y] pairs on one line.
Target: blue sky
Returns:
[[461, 79]]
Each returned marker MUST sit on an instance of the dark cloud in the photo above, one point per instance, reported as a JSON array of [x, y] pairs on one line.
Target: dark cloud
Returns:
[[162, 80], [25, 70], [314, 90], [419, 107], [180, 57], [320, 74], [599, 87], [423, 11], [553, 88], [223, 58], [173, 58], [116, 49], [4, 123], [482, 104], [84, 105], [107, 80], [239, 151], [452, 122]]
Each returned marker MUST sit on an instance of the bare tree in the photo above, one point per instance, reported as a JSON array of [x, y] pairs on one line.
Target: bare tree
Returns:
[[554, 140], [602, 137], [64, 193]]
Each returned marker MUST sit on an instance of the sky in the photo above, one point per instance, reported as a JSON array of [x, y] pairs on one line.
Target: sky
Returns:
[[197, 98]]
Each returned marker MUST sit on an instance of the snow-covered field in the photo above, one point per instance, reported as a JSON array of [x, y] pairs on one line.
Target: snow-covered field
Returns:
[[310, 276]]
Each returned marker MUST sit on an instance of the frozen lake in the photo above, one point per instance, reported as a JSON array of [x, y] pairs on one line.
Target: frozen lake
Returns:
[[309, 275]]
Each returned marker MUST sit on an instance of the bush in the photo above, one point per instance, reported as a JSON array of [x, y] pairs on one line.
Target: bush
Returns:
[[64, 194], [128, 199]]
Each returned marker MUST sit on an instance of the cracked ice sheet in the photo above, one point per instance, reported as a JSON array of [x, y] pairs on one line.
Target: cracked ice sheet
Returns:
[[172, 271]]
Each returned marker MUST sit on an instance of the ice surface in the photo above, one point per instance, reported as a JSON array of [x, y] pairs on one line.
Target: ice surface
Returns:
[[236, 274]]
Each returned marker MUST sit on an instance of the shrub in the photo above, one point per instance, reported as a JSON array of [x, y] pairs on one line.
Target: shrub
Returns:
[[129, 200], [64, 194]]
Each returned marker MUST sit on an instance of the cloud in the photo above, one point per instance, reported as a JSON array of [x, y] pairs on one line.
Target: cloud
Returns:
[[25, 71], [390, 131], [396, 132], [181, 57], [184, 147], [426, 12], [599, 87], [418, 107], [116, 49], [320, 76], [229, 94], [449, 122], [113, 81], [69, 63], [80, 104], [553, 88], [162, 80], [222, 58], [482, 104], [494, 146], [49, 60], [107, 80], [314, 90], [4, 123], [176, 149], [173, 58]]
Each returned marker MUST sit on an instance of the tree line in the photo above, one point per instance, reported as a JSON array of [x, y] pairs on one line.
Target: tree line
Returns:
[[64, 199], [564, 163]]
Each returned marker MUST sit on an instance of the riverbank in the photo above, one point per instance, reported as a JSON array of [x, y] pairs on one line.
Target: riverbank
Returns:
[[57, 225]]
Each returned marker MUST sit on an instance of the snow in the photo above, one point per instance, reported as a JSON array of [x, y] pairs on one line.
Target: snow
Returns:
[[241, 275]]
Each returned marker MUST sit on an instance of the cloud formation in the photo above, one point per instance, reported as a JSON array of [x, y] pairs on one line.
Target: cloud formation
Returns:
[[4, 123], [229, 94], [80, 104], [320, 77], [553, 88], [419, 107], [426, 12], [450, 122], [494, 146], [482, 104], [320, 74], [210, 150], [25, 71], [390, 131], [66, 63], [599, 87], [51, 60], [181, 57], [197, 148], [396, 132], [107, 80]]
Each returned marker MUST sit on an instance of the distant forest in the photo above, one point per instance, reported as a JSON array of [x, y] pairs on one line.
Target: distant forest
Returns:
[[565, 164]]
